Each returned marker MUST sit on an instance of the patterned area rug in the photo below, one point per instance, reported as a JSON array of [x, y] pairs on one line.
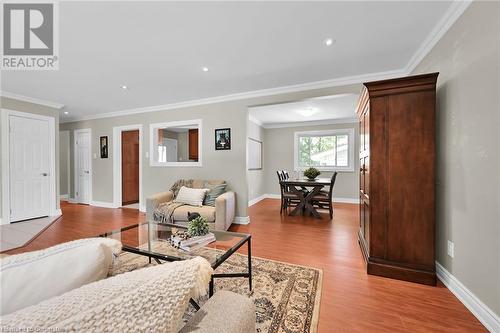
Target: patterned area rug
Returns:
[[286, 296]]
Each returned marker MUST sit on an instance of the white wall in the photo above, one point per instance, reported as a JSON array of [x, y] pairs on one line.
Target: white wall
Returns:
[[64, 171], [468, 149], [256, 178]]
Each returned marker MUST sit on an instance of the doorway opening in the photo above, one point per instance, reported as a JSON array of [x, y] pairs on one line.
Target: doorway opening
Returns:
[[130, 169]]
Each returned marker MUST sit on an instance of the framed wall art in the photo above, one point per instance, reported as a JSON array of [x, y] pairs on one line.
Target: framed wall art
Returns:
[[104, 146], [223, 139]]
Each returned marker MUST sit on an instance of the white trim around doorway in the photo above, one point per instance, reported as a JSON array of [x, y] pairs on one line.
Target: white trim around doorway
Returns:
[[68, 166], [117, 164], [75, 164], [6, 113]]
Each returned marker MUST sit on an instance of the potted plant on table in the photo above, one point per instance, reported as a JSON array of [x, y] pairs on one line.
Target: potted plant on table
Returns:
[[311, 173], [198, 227]]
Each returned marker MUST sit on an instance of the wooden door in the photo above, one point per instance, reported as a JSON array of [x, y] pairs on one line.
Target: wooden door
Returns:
[[130, 167], [193, 144]]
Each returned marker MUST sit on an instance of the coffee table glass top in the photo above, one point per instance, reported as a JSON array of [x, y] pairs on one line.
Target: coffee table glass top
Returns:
[[153, 239]]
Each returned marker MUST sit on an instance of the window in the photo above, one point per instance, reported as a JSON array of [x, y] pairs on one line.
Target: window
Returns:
[[325, 150]]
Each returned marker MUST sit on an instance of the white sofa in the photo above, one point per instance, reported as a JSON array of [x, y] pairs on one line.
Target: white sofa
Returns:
[[219, 217], [68, 289]]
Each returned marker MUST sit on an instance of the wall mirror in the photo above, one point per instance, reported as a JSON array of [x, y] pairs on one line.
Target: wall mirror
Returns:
[[176, 143]]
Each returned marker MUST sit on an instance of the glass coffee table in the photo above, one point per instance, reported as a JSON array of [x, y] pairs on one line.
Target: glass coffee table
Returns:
[[151, 239]]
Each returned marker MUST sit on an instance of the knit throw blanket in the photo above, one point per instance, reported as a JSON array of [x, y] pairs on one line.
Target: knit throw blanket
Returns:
[[180, 183], [151, 299], [165, 211]]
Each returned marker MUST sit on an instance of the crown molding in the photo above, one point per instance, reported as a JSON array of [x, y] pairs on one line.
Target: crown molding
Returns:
[[312, 123], [457, 8], [33, 100], [249, 94], [254, 120]]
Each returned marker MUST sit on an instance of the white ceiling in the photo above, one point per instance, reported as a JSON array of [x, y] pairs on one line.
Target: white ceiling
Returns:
[[158, 49], [336, 107]]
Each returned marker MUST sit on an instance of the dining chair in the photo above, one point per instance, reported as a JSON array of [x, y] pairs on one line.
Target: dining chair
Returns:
[[286, 176], [323, 199], [288, 198]]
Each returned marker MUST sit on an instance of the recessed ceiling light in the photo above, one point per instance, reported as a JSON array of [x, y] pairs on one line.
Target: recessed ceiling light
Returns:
[[329, 41], [205, 69], [307, 112], [124, 87], [66, 112]]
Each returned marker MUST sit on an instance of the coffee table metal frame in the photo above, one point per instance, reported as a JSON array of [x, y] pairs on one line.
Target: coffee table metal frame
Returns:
[[245, 238]]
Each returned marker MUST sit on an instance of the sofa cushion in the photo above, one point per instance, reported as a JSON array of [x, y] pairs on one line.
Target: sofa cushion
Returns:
[[32, 277], [224, 312], [191, 196], [214, 192], [181, 213]]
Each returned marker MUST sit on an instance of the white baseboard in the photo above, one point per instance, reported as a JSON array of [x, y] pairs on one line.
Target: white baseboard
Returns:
[[103, 204], [142, 208], [64, 197], [346, 200], [58, 212], [72, 200], [255, 200], [241, 220], [277, 196], [480, 310]]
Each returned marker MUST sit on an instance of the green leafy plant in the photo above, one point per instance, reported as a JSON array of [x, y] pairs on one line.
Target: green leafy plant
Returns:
[[312, 173], [198, 227]]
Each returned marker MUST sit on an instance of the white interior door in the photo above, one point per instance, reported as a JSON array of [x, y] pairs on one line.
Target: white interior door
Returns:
[[171, 145], [83, 168], [29, 168]]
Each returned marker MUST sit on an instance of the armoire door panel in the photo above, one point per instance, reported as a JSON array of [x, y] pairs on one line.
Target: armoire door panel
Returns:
[[366, 174], [361, 176], [410, 158], [362, 134], [378, 177]]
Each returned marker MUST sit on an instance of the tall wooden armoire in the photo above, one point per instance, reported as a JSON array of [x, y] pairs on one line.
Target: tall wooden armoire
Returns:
[[397, 177]]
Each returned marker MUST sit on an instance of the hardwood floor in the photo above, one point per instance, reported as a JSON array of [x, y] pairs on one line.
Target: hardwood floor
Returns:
[[351, 300]]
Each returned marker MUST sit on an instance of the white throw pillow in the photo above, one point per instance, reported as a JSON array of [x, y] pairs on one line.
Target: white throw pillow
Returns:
[[191, 196], [32, 277]]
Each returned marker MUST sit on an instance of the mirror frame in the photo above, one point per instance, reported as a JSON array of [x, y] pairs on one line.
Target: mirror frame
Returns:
[[156, 126]]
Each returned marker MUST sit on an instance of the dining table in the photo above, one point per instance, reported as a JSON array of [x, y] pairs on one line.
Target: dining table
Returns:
[[313, 186]]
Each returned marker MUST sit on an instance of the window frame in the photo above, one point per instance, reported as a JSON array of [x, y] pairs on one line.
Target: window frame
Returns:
[[350, 148], [153, 145]]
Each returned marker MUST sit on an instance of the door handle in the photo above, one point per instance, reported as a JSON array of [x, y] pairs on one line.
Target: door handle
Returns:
[[87, 171], [45, 174]]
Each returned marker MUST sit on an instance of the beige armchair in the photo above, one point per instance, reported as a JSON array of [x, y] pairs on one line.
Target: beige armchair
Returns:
[[219, 217]]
